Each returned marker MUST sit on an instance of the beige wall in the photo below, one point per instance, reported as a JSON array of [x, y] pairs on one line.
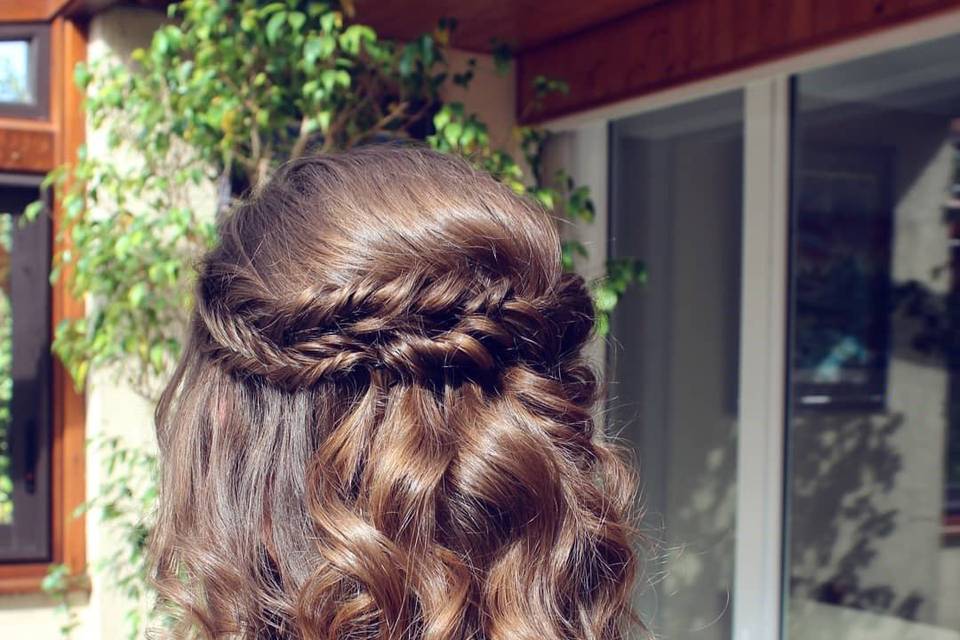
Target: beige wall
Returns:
[[491, 96]]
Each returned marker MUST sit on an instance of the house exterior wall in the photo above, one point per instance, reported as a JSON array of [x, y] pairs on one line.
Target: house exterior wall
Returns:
[[115, 409]]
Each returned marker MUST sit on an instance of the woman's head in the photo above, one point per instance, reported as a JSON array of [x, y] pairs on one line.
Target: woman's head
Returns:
[[381, 426]]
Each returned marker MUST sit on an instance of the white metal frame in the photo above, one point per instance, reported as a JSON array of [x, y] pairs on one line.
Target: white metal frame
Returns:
[[758, 569], [757, 576]]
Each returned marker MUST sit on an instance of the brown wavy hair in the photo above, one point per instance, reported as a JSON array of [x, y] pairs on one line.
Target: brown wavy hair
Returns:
[[381, 427]]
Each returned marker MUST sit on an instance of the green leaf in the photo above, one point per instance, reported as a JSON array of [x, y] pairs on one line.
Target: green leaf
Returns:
[[34, 209], [56, 579], [272, 30], [73, 204], [605, 299], [603, 324], [249, 21], [296, 20], [354, 35], [323, 120], [137, 294], [158, 356], [271, 8], [81, 75], [442, 117], [329, 79], [452, 133]]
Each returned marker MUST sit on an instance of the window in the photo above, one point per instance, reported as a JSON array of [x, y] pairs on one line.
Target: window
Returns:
[[25, 382], [874, 376], [42, 415], [790, 371], [677, 179], [24, 70]]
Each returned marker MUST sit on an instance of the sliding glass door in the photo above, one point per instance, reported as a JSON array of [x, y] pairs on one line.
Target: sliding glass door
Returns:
[[873, 489], [676, 204], [789, 373]]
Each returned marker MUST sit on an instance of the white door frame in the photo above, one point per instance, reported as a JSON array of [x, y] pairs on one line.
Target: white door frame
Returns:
[[758, 564], [758, 558]]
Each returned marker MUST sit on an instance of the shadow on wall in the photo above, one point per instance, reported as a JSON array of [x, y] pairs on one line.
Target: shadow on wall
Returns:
[[843, 465], [687, 583]]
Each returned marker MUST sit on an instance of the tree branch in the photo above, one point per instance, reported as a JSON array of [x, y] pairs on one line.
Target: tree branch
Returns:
[[301, 142]]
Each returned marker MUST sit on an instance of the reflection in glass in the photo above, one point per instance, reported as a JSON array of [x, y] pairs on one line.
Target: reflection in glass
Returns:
[[6, 374], [25, 398], [15, 72], [676, 204], [873, 548]]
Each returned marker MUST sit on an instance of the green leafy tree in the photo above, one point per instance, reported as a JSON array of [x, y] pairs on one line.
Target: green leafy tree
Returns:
[[225, 92]]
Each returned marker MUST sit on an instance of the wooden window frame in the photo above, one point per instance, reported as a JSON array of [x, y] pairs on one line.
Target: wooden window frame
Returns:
[[37, 34], [37, 145]]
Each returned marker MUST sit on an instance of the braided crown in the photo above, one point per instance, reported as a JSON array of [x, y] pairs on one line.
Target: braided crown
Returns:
[[402, 261], [414, 327]]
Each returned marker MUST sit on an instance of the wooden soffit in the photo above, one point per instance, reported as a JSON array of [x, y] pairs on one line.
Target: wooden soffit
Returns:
[[679, 41], [30, 10], [611, 50], [521, 24]]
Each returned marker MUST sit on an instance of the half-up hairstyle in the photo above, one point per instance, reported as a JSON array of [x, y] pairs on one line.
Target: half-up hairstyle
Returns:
[[381, 427]]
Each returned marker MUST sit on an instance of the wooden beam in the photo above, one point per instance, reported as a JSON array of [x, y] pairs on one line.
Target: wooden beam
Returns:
[[22, 578], [673, 43], [69, 409], [84, 8], [26, 151], [47, 10], [518, 23], [30, 10]]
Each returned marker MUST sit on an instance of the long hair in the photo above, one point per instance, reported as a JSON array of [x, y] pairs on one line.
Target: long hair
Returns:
[[381, 427]]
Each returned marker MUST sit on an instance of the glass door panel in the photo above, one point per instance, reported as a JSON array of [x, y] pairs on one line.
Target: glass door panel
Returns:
[[676, 203], [25, 410], [873, 507]]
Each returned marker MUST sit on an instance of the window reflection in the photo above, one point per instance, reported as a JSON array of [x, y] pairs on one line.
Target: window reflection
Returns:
[[15, 71], [843, 276], [6, 373], [875, 407], [25, 376], [677, 205]]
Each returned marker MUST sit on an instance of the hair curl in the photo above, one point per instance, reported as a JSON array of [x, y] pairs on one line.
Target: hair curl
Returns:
[[381, 426]]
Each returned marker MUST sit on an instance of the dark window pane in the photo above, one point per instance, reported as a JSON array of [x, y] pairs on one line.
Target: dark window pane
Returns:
[[24, 377]]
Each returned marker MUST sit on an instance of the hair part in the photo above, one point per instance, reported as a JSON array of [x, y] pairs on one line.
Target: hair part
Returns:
[[381, 426]]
